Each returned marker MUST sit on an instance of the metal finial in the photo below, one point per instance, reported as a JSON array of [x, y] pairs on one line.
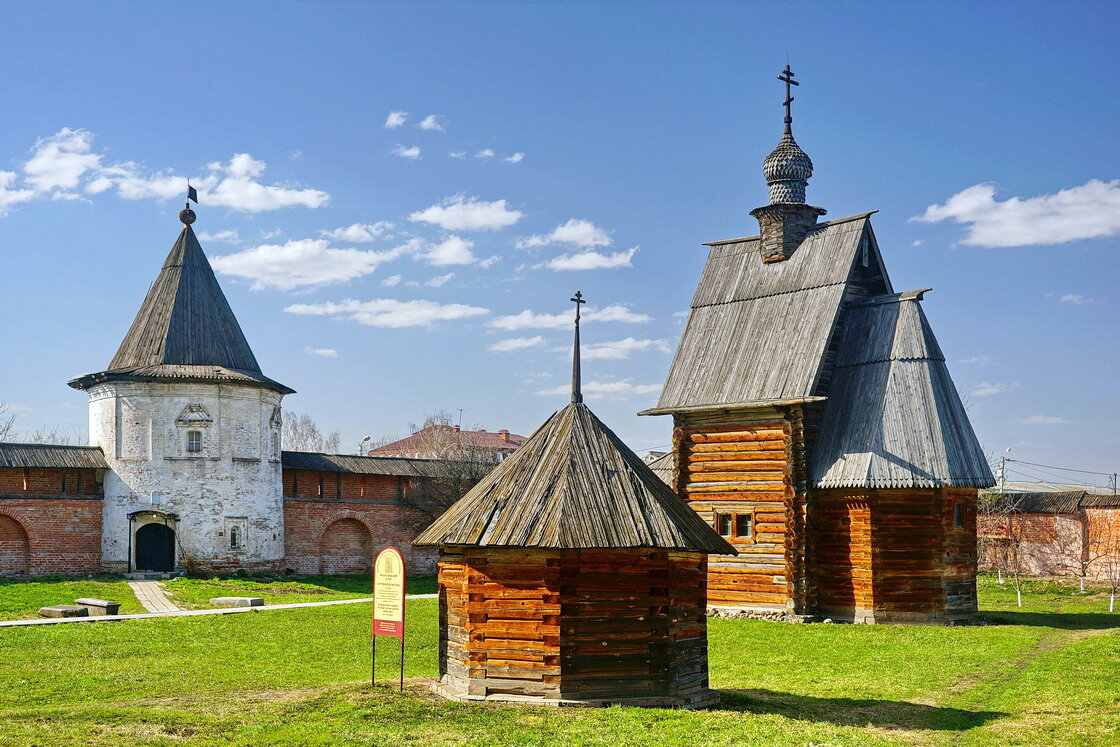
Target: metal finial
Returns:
[[186, 215], [787, 77], [577, 395]]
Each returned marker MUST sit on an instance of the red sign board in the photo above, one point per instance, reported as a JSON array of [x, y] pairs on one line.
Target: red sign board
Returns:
[[388, 593]]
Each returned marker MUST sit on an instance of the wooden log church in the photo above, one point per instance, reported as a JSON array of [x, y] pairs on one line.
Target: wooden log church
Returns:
[[816, 427], [571, 574]]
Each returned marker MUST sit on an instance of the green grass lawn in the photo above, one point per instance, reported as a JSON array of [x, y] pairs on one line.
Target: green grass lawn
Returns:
[[21, 600], [193, 593], [1047, 675]]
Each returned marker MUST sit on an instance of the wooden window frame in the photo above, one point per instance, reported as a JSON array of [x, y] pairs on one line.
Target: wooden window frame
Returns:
[[959, 517], [733, 518]]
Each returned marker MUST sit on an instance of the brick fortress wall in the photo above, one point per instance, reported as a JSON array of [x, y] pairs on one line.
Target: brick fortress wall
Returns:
[[335, 522], [50, 521]]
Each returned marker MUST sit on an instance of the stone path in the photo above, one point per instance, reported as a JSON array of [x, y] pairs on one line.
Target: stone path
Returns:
[[152, 596], [192, 613]]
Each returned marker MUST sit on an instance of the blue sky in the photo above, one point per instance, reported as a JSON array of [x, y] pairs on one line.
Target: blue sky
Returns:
[[389, 266]]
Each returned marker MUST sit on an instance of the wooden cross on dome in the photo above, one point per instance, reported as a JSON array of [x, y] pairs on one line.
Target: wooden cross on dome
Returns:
[[787, 76], [577, 395]]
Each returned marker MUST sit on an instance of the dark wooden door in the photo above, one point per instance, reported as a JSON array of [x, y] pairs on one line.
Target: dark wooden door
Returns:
[[155, 548]]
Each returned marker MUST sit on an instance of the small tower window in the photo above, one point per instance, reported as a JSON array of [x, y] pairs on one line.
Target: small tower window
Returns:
[[234, 538], [723, 524], [275, 445], [194, 442], [958, 515], [744, 525]]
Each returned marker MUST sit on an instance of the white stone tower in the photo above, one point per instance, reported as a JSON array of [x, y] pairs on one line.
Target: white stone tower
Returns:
[[190, 428]]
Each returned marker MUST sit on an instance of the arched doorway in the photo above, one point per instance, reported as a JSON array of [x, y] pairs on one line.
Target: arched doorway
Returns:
[[15, 550], [155, 548], [345, 548]]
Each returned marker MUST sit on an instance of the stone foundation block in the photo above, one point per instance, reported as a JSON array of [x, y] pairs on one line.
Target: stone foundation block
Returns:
[[99, 606], [237, 601], [63, 610]]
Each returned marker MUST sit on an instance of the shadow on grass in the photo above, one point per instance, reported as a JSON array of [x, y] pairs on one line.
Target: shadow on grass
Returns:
[[1057, 620], [884, 714]]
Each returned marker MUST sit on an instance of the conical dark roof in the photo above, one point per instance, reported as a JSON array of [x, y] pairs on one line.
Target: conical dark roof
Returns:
[[185, 328], [574, 484]]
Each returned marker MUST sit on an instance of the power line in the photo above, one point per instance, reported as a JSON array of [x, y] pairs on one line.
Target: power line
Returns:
[[1063, 469]]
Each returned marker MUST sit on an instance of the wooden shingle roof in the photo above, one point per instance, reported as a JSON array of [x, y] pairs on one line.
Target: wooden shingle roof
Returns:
[[572, 485], [757, 332], [52, 456], [363, 465], [893, 417], [185, 329]]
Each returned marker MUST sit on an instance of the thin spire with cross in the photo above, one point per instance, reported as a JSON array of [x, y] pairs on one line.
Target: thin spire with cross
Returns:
[[787, 77], [577, 395]]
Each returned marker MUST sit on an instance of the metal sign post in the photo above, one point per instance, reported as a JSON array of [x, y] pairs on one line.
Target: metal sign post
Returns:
[[389, 575]]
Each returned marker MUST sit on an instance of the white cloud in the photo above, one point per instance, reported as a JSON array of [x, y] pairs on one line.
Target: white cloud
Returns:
[[266, 235], [358, 232], [986, 389], [462, 213], [1089, 211], [433, 123], [458, 154], [300, 263], [517, 157], [229, 237], [532, 320], [59, 162], [979, 360], [62, 164], [1076, 299], [917, 242], [411, 152], [9, 197], [576, 232], [621, 349], [453, 250], [395, 119], [439, 280], [591, 260], [392, 280], [325, 352], [488, 262], [516, 343], [1044, 420], [387, 312], [597, 390], [484, 153]]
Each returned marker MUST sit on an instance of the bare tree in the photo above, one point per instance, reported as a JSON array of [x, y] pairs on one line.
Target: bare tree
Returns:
[[1104, 546], [1003, 532], [56, 434], [299, 432], [7, 421], [458, 462]]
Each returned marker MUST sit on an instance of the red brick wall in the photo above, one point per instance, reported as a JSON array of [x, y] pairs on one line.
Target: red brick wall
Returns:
[[333, 486], [43, 481], [61, 536], [327, 536]]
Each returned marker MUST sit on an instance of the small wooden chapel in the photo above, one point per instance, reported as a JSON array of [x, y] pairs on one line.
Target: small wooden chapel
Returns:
[[572, 575], [816, 426]]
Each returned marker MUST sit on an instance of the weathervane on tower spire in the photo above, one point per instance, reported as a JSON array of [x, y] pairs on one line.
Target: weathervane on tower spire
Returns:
[[577, 395], [186, 215], [787, 76]]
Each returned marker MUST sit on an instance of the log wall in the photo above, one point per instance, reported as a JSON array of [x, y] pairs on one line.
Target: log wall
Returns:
[[749, 462], [573, 626], [894, 555]]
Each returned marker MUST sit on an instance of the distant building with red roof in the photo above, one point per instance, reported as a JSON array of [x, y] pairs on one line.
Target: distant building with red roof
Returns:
[[437, 441]]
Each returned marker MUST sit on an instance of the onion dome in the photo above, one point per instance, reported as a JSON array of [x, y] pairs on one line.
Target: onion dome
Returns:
[[787, 170]]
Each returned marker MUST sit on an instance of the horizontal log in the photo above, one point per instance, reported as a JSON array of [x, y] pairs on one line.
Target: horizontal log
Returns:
[[714, 457], [717, 447], [718, 437], [694, 488], [698, 478]]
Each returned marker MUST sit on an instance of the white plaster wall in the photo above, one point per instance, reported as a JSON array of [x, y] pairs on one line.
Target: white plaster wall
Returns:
[[235, 480]]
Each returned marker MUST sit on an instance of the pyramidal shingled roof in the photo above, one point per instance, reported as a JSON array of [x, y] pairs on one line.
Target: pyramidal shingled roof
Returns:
[[574, 484], [185, 328]]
